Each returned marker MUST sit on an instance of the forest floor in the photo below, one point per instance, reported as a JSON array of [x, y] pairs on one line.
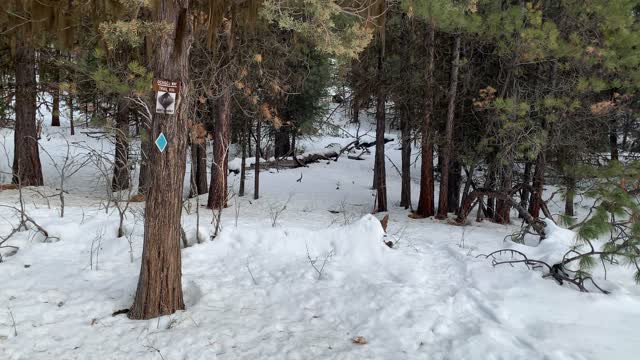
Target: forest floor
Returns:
[[300, 287]]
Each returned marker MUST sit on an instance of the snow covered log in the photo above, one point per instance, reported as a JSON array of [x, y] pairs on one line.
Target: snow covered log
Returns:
[[330, 153]]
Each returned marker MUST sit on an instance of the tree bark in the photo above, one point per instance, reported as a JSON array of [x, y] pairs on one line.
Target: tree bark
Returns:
[[55, 113], [243, 163], [467, 186], [455, 181], [201, 169], [71, 123], [282, 144], [526, 179], [613, 139], [425, 202], [379, 168], [503, 206], [538, 184], [220, 167], [159, 290], [355, 116], [27, 170], [121, 163], [569, 197], [256, 177], [448, 149], [405, 193]]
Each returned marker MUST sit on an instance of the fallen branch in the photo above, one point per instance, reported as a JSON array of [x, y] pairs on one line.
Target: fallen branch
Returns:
[[537, 225]]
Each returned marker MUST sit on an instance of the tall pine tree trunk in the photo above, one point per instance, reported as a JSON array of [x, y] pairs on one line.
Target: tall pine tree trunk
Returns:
[[380, 177], [55, 113], [282, 142], [537, 187], [201, 169], [425, 202], [27, 170], [219, 168], [159, 290], [455, 182], [448, 148], [121, 164], [405, 193]]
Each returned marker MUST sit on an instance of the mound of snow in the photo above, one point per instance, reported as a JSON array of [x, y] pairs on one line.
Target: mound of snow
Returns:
[[360, 243]]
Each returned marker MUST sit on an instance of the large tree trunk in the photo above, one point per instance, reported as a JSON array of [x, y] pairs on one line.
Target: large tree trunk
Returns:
[[405, 193], [380, 176], [455, 181], [448, 148], [159, 289], [425, 202], [201, 169], [282, 144], [27, 170], [220, 167], [121, 163]]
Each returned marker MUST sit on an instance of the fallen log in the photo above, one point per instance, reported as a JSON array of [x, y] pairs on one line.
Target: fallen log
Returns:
[[293, 162]]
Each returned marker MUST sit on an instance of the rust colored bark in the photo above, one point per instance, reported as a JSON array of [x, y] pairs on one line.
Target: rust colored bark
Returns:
[[425, 202], [220, 168], [27, 170], [443, 205], [380, 176], [159, 290]]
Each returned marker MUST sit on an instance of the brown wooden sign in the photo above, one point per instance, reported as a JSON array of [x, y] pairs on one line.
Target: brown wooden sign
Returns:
[[166, 93]]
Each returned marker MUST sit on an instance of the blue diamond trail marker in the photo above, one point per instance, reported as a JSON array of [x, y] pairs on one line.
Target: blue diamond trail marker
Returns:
[[161, 142]]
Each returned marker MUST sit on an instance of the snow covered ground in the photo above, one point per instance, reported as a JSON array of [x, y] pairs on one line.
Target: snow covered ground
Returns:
[[301, 288]]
